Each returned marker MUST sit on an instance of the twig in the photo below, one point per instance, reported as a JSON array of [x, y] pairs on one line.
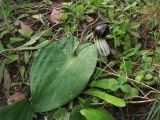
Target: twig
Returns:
[[138, 89], [147, 86], [143, 101], [149, 93], [157, 65], [102, 103]]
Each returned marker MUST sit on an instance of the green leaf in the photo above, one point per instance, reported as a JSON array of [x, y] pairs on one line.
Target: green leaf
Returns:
[[27, 46], [122, 78], [1, 46], [140, 76], [129, 90], [125, 88], [134, 25], [61, 70], [25, 30], [133, 92], [125, 25], [47, 33], [22, 71], [21, 110], [2, 65], [12, 58], [106, 97], [3, 33], [32, 40], [46, 1], [137, 47], [16, 39], [26, 57], [135, 34], [133, 51], [75, 114], [38, 17], [59, 114], [79, 8], [111, 14], [158, 49], [127, 44], [148, 76], [96, 114], [41, 45], [64, 17], [127, 67], [109, 84]]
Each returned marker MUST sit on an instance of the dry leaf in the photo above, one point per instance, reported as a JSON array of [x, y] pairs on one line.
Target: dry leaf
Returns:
[[7, 83], [25, 30], [15, 97], [89, 19], [151, 44], [55, 16]]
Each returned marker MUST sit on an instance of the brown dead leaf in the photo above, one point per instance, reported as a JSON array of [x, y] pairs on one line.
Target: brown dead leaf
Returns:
[[25, 30], [55, 16], [89, 19], [15, 98], [7, 83], [151, 44]]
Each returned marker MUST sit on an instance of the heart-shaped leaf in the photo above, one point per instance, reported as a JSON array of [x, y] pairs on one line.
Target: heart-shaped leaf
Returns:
[[60, 72]]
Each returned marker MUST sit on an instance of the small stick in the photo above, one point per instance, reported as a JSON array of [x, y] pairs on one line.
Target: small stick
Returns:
[[143, 101], [147, 86]]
